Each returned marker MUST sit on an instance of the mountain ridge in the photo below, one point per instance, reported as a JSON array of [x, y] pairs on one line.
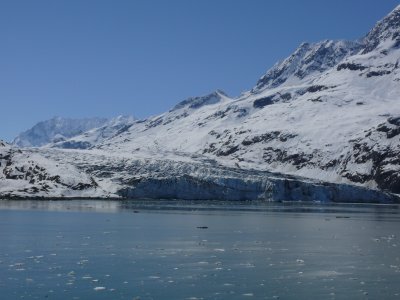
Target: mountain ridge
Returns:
[[56, 128]]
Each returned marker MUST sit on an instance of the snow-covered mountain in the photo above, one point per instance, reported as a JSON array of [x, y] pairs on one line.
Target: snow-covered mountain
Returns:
[[324, 112], [55, 130], [324, 124], [385, 34], [96, 135], [308, 60], [73, 133]]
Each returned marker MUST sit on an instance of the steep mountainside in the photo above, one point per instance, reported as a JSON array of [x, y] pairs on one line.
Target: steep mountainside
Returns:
[[330, 112], [306, 61]]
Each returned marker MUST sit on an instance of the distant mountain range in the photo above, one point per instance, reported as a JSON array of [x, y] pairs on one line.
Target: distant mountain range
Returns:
[[72, 133], [323, 124]]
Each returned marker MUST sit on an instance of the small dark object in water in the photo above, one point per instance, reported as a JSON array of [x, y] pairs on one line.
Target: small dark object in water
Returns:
[[202, 227], [135, 211], [342, 217]]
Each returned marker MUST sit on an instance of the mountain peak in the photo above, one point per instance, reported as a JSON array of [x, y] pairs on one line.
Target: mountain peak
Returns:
[[121, 119], [307, 59], [56, 128], [386, 30], [197, 102], [396, 9]]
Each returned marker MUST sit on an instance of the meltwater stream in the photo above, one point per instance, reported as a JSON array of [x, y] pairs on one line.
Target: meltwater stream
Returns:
[[198, 250]]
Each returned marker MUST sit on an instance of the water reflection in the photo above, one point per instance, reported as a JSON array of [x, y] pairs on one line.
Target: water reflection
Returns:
[[379, 211], [62, 205]]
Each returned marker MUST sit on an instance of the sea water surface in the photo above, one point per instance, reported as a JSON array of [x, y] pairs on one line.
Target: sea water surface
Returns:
[[198, 250]]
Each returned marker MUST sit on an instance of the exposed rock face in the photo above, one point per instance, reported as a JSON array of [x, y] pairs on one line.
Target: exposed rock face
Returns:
[[380, 150], [27, 174], [197, 102], [386, 30]]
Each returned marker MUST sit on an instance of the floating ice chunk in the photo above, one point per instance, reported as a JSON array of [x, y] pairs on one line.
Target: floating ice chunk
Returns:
[[248, 265], [99, 288]]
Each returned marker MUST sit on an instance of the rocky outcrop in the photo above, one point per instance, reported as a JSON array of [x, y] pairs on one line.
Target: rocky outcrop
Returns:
[[24, 174], [380, 151], [388, 29], [307, 60]]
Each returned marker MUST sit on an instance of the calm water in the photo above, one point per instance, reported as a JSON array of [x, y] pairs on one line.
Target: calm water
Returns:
[[203, 250]]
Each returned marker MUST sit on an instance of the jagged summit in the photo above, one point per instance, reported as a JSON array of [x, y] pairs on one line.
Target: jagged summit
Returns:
[[197, 102], [386, 30], [315, 58], [308, 59]]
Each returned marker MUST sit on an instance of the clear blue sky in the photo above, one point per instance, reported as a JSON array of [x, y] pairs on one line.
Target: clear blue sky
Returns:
[[84, 58]]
